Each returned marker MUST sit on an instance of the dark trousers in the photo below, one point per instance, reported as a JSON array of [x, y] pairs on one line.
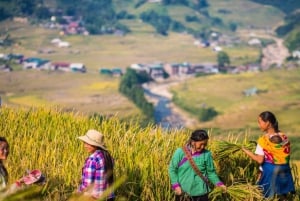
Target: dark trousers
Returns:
[[185, 197]]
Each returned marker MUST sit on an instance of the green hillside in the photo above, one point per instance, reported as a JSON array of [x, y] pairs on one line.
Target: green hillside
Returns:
[[277, 91], [244, 14], [287, 6]]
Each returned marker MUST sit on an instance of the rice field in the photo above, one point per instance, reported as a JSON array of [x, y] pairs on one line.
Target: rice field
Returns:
[[45, 139]]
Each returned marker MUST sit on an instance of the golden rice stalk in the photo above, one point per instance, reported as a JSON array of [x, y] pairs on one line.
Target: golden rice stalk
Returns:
[[223, 149], [237, 192]]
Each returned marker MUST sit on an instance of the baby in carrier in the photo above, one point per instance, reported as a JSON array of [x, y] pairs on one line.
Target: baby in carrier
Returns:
[[275, 139]]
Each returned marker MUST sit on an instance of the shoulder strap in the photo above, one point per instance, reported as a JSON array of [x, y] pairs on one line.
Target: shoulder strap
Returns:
[[194, 166]]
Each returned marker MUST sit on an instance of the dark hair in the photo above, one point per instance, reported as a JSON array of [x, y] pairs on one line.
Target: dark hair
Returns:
[[268, 116], [3, 139], [276, 139], [199, 135], [108, 165]]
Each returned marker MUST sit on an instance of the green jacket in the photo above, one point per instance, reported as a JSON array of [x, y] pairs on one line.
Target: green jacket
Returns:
[[182, 174]]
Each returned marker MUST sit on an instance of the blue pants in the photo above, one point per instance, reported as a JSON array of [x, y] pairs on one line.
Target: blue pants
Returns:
[[276, 180]]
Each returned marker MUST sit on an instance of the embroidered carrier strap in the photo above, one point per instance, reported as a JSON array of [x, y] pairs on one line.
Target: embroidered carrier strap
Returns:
[[192, 162]]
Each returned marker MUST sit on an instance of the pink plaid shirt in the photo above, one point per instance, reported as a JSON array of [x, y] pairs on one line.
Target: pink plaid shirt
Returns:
[[93, 174]]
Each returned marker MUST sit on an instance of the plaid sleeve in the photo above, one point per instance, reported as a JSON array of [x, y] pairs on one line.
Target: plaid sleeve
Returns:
[[100, 181], [88, 174]]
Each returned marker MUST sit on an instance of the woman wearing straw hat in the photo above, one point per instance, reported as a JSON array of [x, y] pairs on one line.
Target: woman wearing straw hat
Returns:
[[97, 172]]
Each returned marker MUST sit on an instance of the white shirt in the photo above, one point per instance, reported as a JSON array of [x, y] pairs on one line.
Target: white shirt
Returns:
[[259, 150]]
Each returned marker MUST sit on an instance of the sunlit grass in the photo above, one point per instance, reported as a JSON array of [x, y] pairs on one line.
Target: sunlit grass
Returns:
[[103, 86], [29, 101], [277, 92]]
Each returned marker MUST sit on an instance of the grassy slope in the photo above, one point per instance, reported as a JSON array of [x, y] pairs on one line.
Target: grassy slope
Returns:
[[81, 92], [247, 13], [244, 13], [225, 94], [286, 6]]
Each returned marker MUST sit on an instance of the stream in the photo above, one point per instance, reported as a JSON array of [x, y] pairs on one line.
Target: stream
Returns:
[[163, 114]]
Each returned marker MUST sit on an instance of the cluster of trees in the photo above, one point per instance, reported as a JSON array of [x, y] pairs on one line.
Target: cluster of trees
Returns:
[[130, 86], [197, 4], [100, 17], [291, 30], [10, 8], [286, 6], [162, 23]]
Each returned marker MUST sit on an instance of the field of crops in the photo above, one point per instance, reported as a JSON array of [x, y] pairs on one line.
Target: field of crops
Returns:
[[45, 139]]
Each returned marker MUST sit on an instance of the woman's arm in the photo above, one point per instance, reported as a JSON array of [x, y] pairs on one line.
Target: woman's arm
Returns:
[[258, 158], [87, 175]]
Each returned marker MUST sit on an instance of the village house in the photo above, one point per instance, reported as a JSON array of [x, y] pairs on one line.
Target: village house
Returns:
[[140, 68], [156, 71], [36, 63], [61, 66], [205, 68], [296, 54], [172, 69], [16, 58], [78, 67], [115, 72], [185, 68]]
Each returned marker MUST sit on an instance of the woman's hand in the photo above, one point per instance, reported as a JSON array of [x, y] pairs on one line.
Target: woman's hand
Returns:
[[258, 158], [178, 190], [224, 188]]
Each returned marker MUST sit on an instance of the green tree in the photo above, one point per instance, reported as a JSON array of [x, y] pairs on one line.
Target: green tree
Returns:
[[206, 114], [130, 86], [223, 59]]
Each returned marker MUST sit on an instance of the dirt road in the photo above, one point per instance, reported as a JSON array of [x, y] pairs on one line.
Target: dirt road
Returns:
[[274, 54]]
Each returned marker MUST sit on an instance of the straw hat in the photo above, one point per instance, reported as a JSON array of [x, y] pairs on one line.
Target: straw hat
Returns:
[[94, 138]]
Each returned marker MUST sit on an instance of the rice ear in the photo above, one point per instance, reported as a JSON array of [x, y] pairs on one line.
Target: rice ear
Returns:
[[238, 192], [224, 149]]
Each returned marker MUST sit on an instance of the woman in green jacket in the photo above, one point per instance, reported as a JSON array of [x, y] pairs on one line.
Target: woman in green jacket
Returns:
[[184, 179]]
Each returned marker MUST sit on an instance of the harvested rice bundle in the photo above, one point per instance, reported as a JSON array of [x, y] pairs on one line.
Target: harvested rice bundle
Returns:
[[223, 149], [237, 192]]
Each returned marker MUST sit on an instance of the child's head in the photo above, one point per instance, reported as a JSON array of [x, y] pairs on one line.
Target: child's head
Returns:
[[276, 139]]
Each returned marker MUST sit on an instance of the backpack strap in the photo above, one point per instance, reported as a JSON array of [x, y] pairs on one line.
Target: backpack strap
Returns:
[[194, 166]]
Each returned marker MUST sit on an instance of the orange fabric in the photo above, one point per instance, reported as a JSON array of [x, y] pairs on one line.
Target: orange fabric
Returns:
[[275, 153]]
